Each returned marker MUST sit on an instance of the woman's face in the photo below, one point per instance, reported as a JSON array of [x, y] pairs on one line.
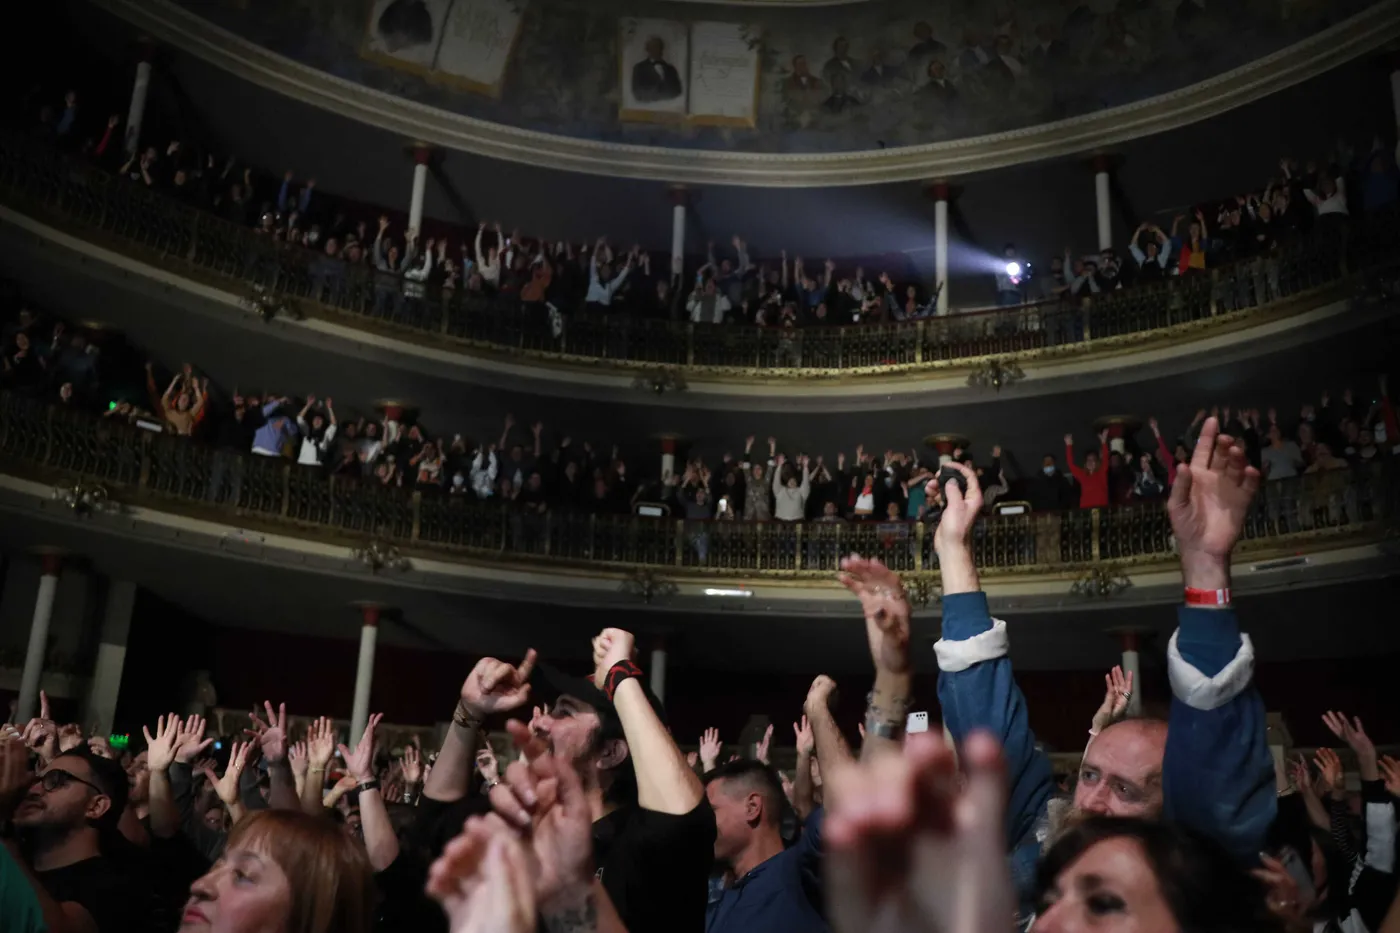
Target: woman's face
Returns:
[[245, 892], [1111, 888]]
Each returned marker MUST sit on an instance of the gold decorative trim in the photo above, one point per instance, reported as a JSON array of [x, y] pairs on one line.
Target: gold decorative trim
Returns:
[[1367, 31]]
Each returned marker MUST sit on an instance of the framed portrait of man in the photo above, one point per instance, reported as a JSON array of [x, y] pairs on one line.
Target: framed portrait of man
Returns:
[[654, 69], [467, 43]]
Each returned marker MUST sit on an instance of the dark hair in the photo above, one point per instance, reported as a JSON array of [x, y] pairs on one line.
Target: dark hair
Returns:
[[1205, 888], [757, 776], [110, 777]]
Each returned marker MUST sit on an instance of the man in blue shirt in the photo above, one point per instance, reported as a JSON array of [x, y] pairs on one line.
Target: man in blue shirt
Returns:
[[774, 889]]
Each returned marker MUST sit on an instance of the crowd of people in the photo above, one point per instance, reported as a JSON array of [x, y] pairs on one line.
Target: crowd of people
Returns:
[[558, 278], [599, 820], [541, 471]]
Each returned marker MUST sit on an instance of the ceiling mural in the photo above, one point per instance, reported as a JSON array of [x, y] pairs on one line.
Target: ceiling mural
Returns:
[[757, 77]]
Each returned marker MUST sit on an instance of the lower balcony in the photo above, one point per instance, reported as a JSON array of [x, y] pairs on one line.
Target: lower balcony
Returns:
[[96, 466]]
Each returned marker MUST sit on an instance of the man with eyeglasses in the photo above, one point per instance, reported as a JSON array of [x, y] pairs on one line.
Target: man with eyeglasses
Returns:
[[69, 811]]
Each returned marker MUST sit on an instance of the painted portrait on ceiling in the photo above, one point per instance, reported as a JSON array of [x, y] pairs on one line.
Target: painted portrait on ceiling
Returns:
[[654, 68]]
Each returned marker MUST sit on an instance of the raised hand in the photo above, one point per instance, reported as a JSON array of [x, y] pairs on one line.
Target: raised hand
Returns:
[[1284, 899], [359, 761], [497, 687], [190, 741], [70, 736], [1390, 773], [961, 509], [1118, 691], [710, 747], [886, 610], [227, 785], [909, 847], [802, 734], [412, 766], [1354, 734], [611, 646], [488, 766], [160, 748], [819, 695], [482, 880], [1208, 505], [760, 749], [296, 757], [320, 743], [1301, 777], [1329, 772], [272, 733]]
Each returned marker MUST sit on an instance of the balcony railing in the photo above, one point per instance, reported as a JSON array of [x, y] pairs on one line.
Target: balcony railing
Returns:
[[138, 222], [174, 473]]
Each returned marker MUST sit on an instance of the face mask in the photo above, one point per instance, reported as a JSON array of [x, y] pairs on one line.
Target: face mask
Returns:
[[458, 479], [1048, 471]]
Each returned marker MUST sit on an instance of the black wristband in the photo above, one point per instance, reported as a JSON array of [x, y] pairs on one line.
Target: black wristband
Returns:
[[371, 784], [622, 670]]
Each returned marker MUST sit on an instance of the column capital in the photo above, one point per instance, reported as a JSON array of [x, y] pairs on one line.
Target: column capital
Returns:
[[422, 153], [392, 409], [945, 443], [145, 49], [50, 558], [681, 195], [370, 612], [1104, 161], [940, 189]]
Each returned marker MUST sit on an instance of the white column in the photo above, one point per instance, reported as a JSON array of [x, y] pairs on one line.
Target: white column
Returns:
[[940, 245], [38, 640], [137, 111], [678, 202], [111, 656], [657, 667], [1132, 665], [364, 671], [1101, 200], [420, 187], [668, 457]]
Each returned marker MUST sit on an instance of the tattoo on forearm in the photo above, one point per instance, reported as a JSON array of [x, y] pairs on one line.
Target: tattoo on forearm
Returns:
[[582, 918]]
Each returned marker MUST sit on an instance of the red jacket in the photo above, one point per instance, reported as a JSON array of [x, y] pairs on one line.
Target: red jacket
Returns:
[[1093, 487]]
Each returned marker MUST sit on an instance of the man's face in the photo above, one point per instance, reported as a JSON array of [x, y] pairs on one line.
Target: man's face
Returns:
[[829, 509], [138, 776], [655, 48], [71, 802], [937, 70], [1151, 249], [799, 66], [1121, 774], [736, 815], [572, 727]]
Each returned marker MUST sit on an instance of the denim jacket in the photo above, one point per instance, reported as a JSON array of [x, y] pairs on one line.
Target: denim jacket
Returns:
[[1218, 774]]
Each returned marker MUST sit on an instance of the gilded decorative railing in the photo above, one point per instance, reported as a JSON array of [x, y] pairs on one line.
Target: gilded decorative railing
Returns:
[[138, 222], [174, 473]]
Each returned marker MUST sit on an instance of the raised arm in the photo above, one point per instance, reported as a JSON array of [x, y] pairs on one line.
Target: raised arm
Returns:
[[492, 687], [976, 687], [1218, 774], [665, 782], [381, 843]]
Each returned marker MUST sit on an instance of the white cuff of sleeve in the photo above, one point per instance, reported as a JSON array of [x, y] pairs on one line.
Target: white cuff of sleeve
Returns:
[[955, 656], [1204, 693]]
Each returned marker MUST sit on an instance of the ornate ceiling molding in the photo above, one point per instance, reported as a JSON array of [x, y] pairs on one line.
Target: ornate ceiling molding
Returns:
[[1365, 32]]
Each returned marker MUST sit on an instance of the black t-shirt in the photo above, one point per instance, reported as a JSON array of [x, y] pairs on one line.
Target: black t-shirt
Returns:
[[117, 897], [656, 866]]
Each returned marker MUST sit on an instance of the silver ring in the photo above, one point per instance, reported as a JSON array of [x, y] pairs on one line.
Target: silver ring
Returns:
[[1127, 694]]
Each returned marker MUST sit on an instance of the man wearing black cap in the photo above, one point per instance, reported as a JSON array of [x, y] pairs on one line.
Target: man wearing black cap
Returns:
[[74, 802], [653, 830]]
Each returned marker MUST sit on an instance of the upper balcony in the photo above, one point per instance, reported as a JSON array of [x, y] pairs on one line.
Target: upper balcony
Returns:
[[770, 94], [1117, 335]]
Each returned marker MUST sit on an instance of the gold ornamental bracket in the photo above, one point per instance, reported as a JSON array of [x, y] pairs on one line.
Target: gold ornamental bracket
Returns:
[[1103, 582], [379, 555]]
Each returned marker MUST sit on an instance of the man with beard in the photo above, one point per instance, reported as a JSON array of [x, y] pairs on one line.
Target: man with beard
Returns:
[[68, 814], [653, 829], [1208, 767]]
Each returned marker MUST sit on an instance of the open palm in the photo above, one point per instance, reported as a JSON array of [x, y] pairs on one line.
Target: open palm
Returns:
[[1212, 494]]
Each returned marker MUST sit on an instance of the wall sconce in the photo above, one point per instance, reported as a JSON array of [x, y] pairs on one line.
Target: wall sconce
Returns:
[[86, 498], [994, 374], [268, 304], [920, 591], [1100, 583], [660, 382], [377, 556], [646, 586]]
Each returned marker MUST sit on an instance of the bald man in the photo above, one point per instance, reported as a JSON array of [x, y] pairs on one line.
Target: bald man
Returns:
[[1209, 766]]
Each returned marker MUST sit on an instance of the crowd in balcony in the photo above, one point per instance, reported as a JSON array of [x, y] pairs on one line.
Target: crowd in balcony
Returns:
[[537, 469], [596, 820], [554, 279]]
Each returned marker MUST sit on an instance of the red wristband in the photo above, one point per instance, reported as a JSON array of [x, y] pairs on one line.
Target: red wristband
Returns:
[[1196, 597], [622, 670]]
